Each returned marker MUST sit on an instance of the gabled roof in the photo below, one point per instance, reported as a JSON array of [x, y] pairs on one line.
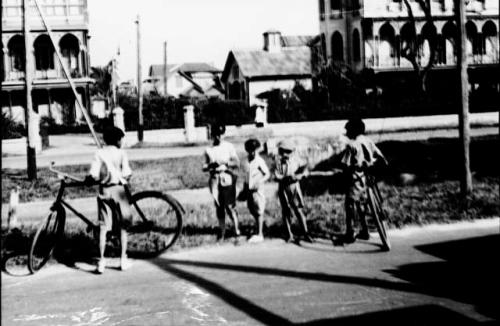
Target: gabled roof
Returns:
[[259, 63], [188, 67], [297, 40]]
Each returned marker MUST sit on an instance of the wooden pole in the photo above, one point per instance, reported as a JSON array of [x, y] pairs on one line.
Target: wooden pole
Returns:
[[67, 75], [140, 127], [464, 127], [165, 70], [28, 78]]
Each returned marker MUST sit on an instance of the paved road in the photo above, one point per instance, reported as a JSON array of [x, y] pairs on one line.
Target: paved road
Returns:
[[434, 275], [77, 149]]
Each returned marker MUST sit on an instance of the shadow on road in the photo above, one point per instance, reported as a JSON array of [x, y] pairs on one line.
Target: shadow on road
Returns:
[[427, 314], [468, 273]]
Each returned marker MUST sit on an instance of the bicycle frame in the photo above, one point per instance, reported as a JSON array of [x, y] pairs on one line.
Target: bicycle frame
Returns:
[[61, 202]]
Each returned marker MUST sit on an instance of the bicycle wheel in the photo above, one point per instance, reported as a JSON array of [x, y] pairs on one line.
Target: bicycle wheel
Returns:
[[379, 217], [156, 223], [46, 237]]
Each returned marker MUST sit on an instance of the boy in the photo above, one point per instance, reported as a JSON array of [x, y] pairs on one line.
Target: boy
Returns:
[[360, 154], [220, 161], [289, 171], [256, 174], [111, 169]]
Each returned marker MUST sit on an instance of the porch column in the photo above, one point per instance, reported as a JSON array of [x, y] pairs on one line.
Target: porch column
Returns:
[[6, 63]]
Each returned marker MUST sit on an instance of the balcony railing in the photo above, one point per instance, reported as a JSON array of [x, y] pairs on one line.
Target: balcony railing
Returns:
[[398, 63]]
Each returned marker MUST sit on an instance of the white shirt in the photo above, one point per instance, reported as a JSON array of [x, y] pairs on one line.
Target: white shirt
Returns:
[[110, 166], [221, 154], [256, 172]]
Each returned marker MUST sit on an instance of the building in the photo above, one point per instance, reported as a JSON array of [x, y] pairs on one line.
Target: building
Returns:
[[282, 62], [191, 80], [52, 95], [370, 34]]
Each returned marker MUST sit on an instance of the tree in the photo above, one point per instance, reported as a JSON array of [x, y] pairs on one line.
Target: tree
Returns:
[[102, 77], [411, 46]]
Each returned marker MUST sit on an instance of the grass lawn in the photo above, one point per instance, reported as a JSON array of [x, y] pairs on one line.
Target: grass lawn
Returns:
[[432, 197]]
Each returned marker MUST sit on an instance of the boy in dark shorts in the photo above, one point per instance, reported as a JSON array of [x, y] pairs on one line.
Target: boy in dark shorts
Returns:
[[360, 154]]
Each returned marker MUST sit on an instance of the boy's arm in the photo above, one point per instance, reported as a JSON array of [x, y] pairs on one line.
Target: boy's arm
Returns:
[[234, 161], [95, 167], [126, 170]]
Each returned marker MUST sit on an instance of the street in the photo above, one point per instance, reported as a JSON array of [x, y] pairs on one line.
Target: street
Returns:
[[434, 275]]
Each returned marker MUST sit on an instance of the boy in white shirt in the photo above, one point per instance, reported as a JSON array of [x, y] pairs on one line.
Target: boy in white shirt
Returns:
[[256, 174], [111, 169]]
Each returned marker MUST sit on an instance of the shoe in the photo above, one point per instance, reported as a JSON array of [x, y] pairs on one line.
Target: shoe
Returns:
[[290, 239], [363, 235], [125, 263], [101, 266], [308, 238], [256, 239]]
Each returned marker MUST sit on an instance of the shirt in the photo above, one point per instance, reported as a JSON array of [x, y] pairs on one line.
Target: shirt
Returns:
[[110, 166], [221, 154], [256, 171]]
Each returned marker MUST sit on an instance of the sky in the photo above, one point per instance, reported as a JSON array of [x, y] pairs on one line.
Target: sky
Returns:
[[195, 30]]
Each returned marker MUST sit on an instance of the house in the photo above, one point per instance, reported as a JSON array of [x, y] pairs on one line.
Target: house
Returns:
[[371, 34], [282, 62], [193, 80], [52, 95]]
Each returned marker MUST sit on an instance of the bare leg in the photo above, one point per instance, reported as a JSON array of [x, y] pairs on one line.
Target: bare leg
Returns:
[[123, 242], [231, 211], [302, 219], [288, 223], [260, 224], [102, 241]]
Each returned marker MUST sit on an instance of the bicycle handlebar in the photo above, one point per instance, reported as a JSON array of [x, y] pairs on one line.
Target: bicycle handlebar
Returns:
[[64, 175]]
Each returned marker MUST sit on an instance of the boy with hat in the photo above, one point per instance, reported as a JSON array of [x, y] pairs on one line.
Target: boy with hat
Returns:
[[289, 171]]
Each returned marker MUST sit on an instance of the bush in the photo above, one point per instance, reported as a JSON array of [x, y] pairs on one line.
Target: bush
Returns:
[[11, 128]]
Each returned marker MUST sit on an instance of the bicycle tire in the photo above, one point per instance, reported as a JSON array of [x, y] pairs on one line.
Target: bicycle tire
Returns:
[[46, 237], [379, 217], [158, 228]]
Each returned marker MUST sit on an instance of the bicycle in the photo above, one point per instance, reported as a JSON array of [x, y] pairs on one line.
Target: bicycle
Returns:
[[375, 205], [156, 222]]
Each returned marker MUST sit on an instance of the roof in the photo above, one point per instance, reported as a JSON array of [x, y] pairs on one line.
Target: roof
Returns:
[[297, 40], [188, 67], [259, 63]]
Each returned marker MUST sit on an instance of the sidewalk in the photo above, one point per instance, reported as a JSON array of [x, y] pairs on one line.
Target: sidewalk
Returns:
[[72, 144]]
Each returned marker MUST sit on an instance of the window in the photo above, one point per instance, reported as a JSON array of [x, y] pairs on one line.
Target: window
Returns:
[[322, 9], [337, 47], [335, 8], [16, 53], [44, 53]]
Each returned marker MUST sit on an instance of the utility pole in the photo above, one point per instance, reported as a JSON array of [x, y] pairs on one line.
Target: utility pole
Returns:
[[140, 127], [31, 127], [165, 69], [464, 127]]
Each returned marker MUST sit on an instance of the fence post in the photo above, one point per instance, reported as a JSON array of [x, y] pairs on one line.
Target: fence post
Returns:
[[189, 128], [118, 119], [13, 205]]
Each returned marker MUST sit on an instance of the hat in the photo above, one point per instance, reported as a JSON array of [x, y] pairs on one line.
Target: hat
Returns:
[[286, 145]]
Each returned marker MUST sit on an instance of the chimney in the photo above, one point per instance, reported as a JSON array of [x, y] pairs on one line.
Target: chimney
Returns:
[[272, 41]]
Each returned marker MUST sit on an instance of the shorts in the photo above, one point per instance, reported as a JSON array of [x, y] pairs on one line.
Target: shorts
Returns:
[[114, 220], [256, 203]]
